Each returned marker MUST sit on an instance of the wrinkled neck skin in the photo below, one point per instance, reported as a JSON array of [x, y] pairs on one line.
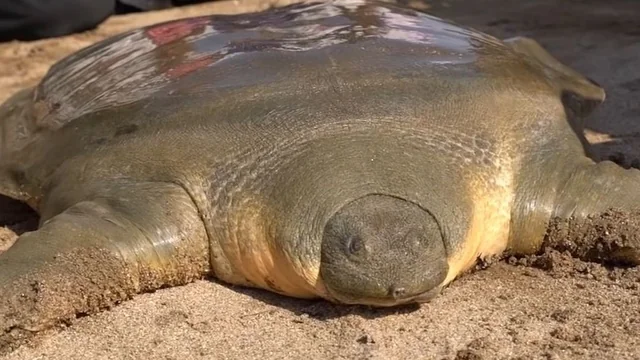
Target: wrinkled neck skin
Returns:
[[303, 182]]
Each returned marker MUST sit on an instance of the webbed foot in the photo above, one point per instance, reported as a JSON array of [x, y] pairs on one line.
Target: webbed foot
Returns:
[[597, 215], [611, 237]]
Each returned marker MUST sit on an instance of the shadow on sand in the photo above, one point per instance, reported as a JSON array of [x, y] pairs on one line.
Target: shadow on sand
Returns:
[[319, 309]]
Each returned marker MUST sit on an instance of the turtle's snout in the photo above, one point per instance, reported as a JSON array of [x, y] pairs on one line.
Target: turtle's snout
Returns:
[[382, 250]]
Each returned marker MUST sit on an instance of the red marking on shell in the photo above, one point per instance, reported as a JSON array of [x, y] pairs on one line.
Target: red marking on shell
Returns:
[[176, 30], [189, 67]]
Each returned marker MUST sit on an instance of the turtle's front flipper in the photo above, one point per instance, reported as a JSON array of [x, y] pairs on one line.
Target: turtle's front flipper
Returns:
[[122, 240], [583, 214]]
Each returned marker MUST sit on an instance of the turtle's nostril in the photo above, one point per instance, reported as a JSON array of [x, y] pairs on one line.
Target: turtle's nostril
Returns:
[[397, 292]]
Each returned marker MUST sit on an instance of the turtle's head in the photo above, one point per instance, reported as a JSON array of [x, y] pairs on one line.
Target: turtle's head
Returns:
[[381, 250]]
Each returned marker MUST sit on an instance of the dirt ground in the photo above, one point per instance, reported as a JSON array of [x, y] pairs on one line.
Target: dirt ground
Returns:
[[549, 306]]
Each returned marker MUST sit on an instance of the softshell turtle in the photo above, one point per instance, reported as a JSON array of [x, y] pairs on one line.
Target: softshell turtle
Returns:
[[356, 151]]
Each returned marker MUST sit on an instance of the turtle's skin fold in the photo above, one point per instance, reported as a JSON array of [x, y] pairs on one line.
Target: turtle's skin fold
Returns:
[[355, 151]]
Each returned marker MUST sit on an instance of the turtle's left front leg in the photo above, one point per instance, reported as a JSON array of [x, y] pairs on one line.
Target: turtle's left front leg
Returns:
[[119, 241], [596, 216]]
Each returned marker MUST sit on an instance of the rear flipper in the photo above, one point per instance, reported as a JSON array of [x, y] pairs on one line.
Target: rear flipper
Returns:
[[125, 240], [597, 215], [563, 76], [580, 95]]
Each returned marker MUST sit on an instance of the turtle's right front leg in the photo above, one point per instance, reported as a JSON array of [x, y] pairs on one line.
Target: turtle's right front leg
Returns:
[[120, 241]]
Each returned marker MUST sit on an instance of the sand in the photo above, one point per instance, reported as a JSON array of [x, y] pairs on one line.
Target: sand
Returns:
[[550, 306]]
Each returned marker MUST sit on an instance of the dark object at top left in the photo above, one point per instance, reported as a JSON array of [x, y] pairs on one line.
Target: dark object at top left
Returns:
[[40, 19]]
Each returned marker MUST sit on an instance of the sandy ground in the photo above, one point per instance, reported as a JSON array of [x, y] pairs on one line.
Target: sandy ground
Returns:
[[548, 307]]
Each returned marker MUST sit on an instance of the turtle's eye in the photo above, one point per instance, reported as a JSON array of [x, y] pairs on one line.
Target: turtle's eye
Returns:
[[354, 245]]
